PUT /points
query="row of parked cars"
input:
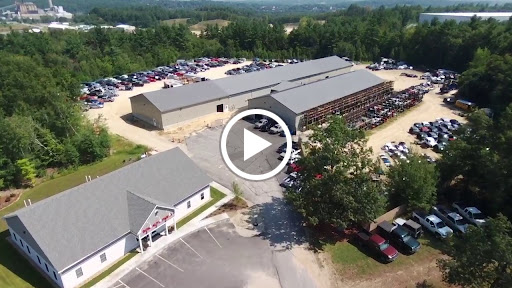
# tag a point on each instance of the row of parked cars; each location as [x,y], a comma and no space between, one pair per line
[402,235]
[435,134]
[253,67]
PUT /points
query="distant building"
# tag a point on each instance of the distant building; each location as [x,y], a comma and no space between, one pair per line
[464,16]
[126,28]
[61,26]
[30,10]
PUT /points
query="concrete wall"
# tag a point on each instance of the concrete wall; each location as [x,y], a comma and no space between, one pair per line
[188,114]
[271,104]
[36,258]
[195,202]
[144,110]
[92,265]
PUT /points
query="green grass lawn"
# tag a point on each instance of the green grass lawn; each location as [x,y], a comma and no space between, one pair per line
[112,268]
[15,271]
[216,196]
[350,260]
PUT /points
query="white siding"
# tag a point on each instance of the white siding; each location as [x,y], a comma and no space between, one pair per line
[195,202]
[33,256]
[92,265]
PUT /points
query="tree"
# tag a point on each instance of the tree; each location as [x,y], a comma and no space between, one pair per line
[337,186]
[27,170]
[414,183]
[482,258]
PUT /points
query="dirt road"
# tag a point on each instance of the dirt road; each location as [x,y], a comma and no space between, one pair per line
[115,113]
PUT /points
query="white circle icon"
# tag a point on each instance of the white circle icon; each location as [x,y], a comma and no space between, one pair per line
[251,146]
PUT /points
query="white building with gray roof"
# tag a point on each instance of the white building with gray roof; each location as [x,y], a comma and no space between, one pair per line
[76,234]
[166,108]
[348,94]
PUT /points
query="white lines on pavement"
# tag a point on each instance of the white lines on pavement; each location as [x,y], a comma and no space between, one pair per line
[169,262]
[123,284]
[213,237]
[191,248]
[120,285]
[150,277]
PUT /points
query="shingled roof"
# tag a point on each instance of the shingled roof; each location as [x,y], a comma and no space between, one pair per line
[166,100]
[71,225]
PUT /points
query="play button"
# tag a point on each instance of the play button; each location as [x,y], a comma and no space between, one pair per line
[253,144]
[250,152]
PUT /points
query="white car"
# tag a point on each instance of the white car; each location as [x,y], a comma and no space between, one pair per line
[260,123]
[289,180]
[276,129]
[430,142]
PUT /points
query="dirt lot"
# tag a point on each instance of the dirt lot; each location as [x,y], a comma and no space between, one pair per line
[117,114]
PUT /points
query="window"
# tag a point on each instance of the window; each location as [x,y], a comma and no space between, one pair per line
[38,260]
[14,235]
[188,204]
[28,249]
[103,257]
[55,276]
[21,242]
[202,196]
[79,272]
[46,266]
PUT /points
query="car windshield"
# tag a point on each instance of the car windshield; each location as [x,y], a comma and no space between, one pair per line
[406,238]
[461,222]
[384,246]
[440,225]
[478,216]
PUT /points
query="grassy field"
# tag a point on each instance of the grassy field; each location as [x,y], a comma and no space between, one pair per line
[112,268]
[175,21]
[15,271]
[202,25]
[216,196]
[14,27]
[353,262]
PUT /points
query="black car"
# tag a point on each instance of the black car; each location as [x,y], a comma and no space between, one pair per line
[281,148]
[422,135]
[414,130]
[137,83]
[439,147]
[266,127]
[449,100]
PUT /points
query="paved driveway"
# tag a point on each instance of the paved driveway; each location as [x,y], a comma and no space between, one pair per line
[215,256]
[281,225]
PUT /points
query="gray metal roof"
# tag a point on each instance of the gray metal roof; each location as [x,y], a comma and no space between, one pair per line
[312,95]
[285,85]
[73,224]
[188,95]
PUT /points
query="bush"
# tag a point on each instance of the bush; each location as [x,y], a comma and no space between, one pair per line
[7,199]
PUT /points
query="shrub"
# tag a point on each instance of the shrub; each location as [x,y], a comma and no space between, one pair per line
[7,199]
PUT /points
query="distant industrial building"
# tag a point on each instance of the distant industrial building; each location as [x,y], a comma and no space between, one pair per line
[464,16]
[30,10]
[166,108]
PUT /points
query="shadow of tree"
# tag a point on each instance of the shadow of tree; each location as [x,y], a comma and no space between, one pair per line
[11,260]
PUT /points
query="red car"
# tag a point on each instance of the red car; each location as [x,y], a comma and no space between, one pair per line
[377,245]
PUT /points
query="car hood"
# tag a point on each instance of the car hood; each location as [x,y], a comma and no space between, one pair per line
[445,231]
[412,243]
[390,251]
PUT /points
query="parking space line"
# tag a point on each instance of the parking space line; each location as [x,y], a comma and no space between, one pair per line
[169,262]
[213,237]
[149,277]
[191,248]
[119,285]
[123,284]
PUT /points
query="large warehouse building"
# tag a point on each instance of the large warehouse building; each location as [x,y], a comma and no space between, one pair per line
[349,95]
[76,234]
[464,16]
[165,108]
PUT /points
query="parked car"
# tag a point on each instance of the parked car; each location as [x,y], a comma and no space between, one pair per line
[458,223]
[275,129]
[385,160]
[399,237]
[378,246]
[414,130]
[266,127]
[260,123]
[439,147]
[433,224]
[289,181]
[471,213]
[282,148]
[413,227]
[95,104]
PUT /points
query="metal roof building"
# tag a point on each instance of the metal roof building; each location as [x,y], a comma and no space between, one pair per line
[464,16]
[165,108]
[77,233]
[349,95]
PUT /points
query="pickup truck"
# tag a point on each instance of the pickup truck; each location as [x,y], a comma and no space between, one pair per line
[377,245]
[433,224]
[471,213]
[399,237]
[411,226]
[458,223]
